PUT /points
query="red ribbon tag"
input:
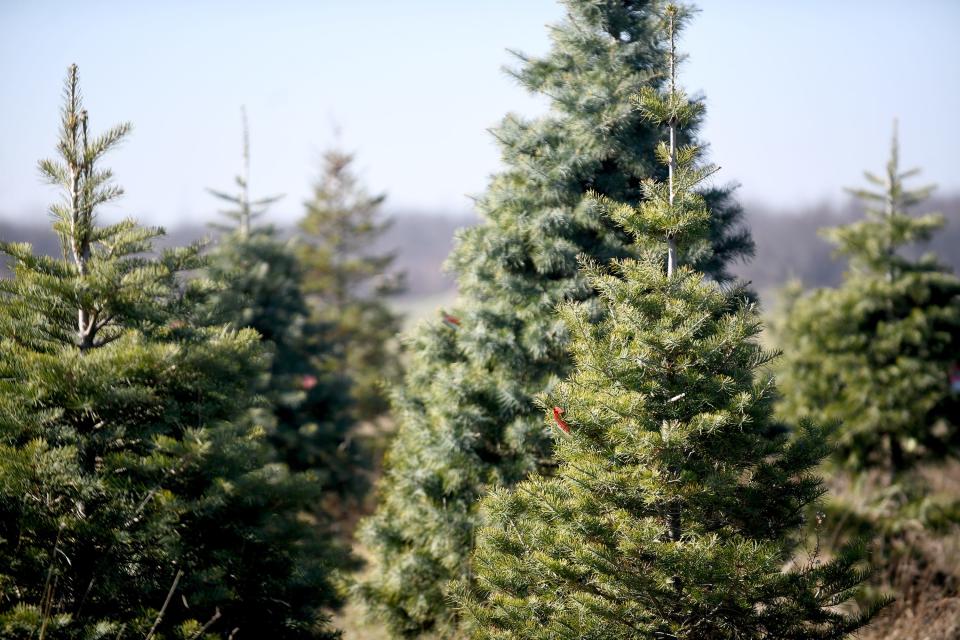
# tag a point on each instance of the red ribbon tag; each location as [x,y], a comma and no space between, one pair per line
[557,412]
[451,321]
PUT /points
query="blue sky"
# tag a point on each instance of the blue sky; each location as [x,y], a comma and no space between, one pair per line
[800,95]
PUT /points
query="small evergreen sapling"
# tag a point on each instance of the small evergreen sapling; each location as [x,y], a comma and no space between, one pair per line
[673,511]
[876,353]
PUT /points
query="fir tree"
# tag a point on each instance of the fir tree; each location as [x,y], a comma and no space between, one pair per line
[877,352]
[466,416]
[134,501]
[350,281]
[261,285]
[673,511]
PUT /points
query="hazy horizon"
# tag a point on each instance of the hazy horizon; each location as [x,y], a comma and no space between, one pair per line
[800,98]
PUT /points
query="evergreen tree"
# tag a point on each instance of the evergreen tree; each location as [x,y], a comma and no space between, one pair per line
[673,511]
[350,281]
[261,285]
[134,501]
[466,416]
[877,352]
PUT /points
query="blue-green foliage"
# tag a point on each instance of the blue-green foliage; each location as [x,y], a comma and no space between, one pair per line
[467,421]
[673,510]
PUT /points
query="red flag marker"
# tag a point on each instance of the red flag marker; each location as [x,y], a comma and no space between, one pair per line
[557,412]
[451,321]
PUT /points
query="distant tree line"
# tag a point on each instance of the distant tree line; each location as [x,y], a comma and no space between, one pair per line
[789,245]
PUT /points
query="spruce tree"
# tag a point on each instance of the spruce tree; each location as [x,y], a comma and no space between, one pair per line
[261,285]
[877,352]
[134,499]
[673,511]
[466,415]
[350,281]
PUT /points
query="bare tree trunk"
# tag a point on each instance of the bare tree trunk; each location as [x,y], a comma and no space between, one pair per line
[80,219]
[672,168]
[897,458]
[675,513]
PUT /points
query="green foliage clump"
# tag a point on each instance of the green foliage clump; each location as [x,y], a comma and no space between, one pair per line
[672,512]
[877,352]
[675,508]
[135,499]
[349,282]
[466,415]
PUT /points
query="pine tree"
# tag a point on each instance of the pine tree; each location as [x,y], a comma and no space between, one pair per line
[350,282]
[134,502]
[466,415]
[673,511]
[877,352]
[261,285]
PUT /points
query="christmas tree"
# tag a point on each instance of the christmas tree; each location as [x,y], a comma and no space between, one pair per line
[349,281]
[877,353]
[135,498]
[673,511]
[261,285]
[466,415]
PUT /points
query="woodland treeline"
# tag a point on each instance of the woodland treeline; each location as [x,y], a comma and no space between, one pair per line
[648,412]
[789,245]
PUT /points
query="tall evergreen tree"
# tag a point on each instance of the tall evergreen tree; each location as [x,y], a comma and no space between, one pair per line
[466,416]
[134,500]
[877,352]
[350,280]
[673,511]
[261,285]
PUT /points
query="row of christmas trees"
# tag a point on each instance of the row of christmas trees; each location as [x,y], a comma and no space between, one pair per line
[663,494]
[176,426]
[618,469]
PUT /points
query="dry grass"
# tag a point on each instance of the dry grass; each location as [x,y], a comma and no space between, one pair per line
[928,602]
[923,565]
[351,620]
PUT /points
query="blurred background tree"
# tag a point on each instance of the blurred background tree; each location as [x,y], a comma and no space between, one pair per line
[877,354]
[350,283]
[261,285]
